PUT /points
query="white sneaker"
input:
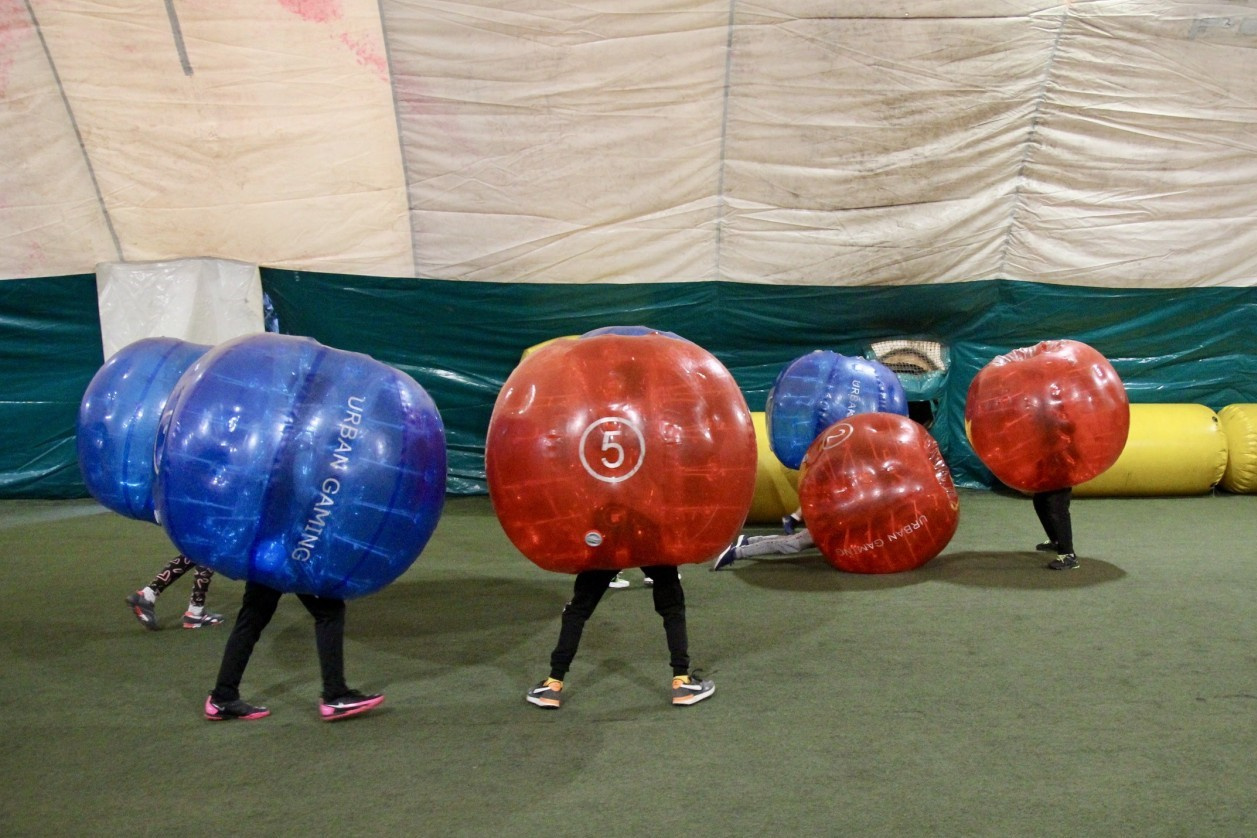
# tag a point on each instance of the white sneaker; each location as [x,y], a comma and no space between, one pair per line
[618,582]
[650,583]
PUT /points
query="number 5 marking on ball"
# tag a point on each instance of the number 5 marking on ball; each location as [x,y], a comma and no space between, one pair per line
[609,444]
[616,450]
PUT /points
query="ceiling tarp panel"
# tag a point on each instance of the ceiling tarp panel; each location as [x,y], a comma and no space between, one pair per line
[561,142]
[257,131]
[51,221]
[879,149]
[1144,161]
[890,142]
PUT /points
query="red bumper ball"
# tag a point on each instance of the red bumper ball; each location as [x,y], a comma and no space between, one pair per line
[615,451]
[1047,416]
[877,495]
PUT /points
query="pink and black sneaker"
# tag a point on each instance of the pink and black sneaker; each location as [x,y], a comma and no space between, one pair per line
[352,703]
[220,711]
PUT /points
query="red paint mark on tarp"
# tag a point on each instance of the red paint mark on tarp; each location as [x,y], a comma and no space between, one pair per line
[367,53]
[15,28]
[33,260]
[416,103]
[315,11]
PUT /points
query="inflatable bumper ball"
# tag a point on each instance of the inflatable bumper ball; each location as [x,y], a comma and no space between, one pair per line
[1048,416]
[620,450]
[118,418]
[821,388]
[877,495]
[305,468]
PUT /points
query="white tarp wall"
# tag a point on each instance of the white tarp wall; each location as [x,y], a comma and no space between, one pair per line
[885,141]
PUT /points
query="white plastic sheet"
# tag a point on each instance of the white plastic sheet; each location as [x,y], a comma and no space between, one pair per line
[205,301]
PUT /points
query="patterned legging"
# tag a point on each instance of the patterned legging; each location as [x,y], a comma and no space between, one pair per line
[178,566]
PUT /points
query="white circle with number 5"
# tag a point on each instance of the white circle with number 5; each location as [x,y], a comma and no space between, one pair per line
[618,449]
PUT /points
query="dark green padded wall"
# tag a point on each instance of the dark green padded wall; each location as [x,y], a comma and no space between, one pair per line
[49,350]
[460,340]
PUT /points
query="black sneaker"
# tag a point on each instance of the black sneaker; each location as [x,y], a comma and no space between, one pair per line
[548,694]
[686,689]
[220,711]
[1067,561]
[143,610]
[352,703]
[1047,547]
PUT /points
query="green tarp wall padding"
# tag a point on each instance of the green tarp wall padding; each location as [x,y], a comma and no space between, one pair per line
[49,350]
[460,340]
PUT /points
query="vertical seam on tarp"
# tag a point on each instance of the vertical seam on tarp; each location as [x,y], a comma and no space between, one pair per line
[78,135]
[401,143]
[177,32]
[724,133]
[1031,136]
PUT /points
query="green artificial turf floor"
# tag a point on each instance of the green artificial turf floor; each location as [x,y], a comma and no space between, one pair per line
[978,695]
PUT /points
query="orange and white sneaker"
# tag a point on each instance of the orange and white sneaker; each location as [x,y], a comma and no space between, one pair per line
[206,619]
[144,609]
[547,694]
[687,689]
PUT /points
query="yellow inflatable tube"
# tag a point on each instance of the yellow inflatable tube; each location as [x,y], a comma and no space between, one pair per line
[530,350]
[1172,449]
[776,487]
[1239,423]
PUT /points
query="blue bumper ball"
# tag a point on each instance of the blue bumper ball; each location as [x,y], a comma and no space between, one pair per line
[821,388]
[302,467]
[118,418]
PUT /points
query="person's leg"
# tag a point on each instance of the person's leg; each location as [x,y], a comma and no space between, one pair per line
[200,586]
[1042,509]
[1056,509]
[758,546]
[339,701]
[767,545]
[175,568]
[196,616]
[257,607]
[329,639]
[670,605]
[1058,513]
[143,602]
[587,591]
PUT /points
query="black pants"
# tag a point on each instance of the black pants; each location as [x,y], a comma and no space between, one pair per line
[588,591]
[1053,511]
[256,610]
